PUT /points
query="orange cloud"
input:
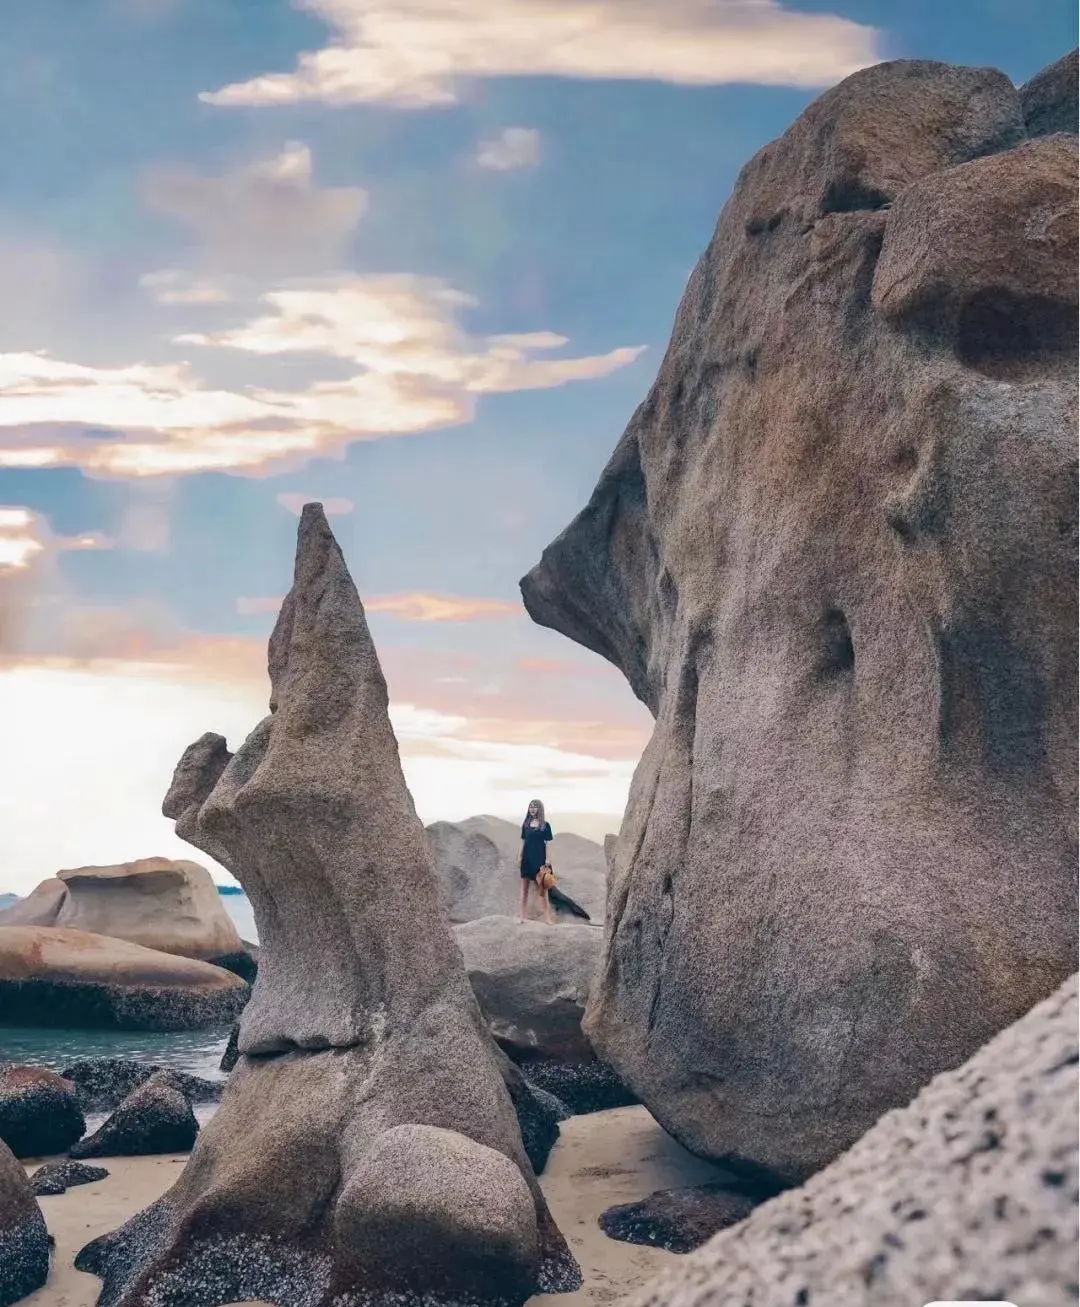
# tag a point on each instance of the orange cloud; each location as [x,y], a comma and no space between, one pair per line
[418,53]
[407,607]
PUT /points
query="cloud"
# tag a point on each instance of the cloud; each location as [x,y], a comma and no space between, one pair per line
[415,53]
[175,286]
[407,607]
[418,370]
[266,218]
[514,148]
[295,502]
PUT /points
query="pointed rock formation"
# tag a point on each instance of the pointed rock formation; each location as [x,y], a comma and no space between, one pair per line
[835,554]
[366,1145]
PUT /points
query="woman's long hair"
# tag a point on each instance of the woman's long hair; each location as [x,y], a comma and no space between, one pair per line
[539,812]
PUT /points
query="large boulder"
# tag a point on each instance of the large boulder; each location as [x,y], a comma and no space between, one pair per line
[50,976]
[24,1240]
[477,862]
[532,983]
[1049,100]
[40,907]
[362,1052]
[835,554]
[40,1112]
[969,1193]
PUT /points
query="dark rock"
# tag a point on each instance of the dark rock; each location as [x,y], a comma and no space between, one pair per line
[54,976]
[969,1193]
[363,1051]
[538,1114]
[24,1240]
[102,1083]
[39,1111]
[58,1177]
[155,1118]
[582,1087]
[678,1220]
[232,1050]
[835,554]
[241,964]
[1049,99]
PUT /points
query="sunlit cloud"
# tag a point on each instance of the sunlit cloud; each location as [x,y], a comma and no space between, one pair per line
[267,217]
[513,149]
[406,607]
[417,52]
[418,370]
[331,507]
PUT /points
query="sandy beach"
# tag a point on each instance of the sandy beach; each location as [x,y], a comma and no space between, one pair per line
[601,1159]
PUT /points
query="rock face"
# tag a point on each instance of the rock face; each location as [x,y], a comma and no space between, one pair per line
[362,1050]
[24,1240]
[40,907]
[969,1193]
[39,1111]
[1050,99]
[477,863]
[55,977]
[155,1118]
[835,554]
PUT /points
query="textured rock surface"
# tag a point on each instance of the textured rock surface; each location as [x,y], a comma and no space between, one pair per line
[102,1083]
[532,985]
[835,554]
[363,1050]
[39,1111]
[58,1177]
[969,1193]
[39,908]
[582,1087]
[1050,98]
[477,863]
[24,1240]
[155,1118]
[56,977]
[172,906]
[678,1220]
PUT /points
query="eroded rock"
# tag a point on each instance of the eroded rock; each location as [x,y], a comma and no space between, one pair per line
[835,554]
[24,1240]
[363,1050]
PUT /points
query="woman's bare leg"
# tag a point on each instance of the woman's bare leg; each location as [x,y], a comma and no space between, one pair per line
[523,909]
[545,903]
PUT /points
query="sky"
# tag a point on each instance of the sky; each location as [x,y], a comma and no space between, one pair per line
[419,262]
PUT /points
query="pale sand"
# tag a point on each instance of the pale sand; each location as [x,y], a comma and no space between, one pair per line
[602,1159]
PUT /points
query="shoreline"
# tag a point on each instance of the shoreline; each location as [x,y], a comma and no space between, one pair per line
[616,1156]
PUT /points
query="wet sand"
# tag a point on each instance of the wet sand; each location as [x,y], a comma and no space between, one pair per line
[602,1159]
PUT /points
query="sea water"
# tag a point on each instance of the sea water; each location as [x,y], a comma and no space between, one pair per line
[195,1051]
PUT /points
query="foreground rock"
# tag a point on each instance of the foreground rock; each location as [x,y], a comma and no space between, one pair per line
[477,863]
[155,1118]
[58,1177]
[102,1083]
[532,984]
[51,976]
[969,1193]
[835,554]
[363,1050]
[24,1240]
[39,1111]
[168,905]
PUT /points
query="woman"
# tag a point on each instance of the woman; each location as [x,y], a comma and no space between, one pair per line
[535,836]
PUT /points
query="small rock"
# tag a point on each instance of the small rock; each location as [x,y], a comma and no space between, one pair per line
[582,1087]
[678,1220]
[24,1240]
[156,1118]
[39,1111]
[57,1177]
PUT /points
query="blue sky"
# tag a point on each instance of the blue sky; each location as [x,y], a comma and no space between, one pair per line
[254,252]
